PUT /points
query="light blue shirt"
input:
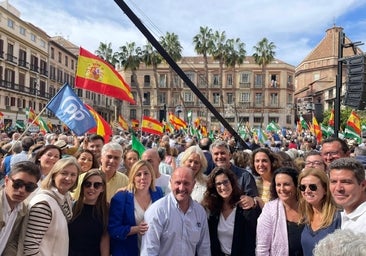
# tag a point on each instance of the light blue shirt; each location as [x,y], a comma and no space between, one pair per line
[172,232]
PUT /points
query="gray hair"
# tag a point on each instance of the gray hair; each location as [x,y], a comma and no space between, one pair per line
[340,243]
[360,151]
[351,164]
[197,150]
[112,146]
[219,144]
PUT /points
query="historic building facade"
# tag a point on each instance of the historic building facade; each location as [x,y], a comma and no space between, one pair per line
[315,77]
[241,94]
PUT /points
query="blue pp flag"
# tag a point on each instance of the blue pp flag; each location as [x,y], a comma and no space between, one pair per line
[67,106]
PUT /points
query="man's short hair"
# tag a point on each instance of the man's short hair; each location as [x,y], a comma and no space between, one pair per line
[94,137]
[112,146]
[219,144]
[343,143]
[27,167]
[351,164]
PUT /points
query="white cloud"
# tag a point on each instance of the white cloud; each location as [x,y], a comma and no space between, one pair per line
[294,26]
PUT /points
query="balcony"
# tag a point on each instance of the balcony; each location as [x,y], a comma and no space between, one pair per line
[245,85]
[23,64]
[44,72]
[11,59]
[34,68]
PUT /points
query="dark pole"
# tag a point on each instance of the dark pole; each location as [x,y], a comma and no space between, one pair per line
[131,15]
[337,103]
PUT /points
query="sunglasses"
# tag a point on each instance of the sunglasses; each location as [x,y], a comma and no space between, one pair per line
[29,187]
[312,187]
[224,182]
[96,185]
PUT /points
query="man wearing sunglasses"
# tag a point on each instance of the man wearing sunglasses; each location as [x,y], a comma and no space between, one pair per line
[348,187]
[19,184]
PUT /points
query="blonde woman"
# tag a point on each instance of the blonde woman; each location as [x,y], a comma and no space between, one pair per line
[45,229]
[194,158]
[317,208]
[126,215]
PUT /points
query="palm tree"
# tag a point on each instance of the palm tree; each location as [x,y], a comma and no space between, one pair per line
[264,54]
[105,52]
[151,57]
[203,44]
[130,58]
[170,42]
[235,55]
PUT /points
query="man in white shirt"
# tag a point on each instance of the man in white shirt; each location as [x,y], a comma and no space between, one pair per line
[177,224]
[347,185]
[19,184]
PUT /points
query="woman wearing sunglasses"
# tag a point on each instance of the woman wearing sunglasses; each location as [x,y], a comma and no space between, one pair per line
[126,215]
[232,229]
[45,230]
[88,227]
[317,208]
[278,229]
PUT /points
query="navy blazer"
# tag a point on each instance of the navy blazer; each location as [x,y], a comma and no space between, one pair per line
[244,237]
[121,218]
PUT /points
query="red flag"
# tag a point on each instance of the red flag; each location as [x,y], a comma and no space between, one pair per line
[103,128]
[99,76]
[31,115]
[151,125]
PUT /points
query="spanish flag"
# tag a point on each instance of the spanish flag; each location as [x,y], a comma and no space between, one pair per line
[331,119]
[103,128]
[135,124]
[122,123]
[97,75]
[317,130]
[353,127]
[151,125]
[31,116]
[177,122]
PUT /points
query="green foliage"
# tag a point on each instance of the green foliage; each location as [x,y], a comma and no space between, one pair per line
[345,113]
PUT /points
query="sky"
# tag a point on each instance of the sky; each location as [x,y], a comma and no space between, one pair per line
[295,27]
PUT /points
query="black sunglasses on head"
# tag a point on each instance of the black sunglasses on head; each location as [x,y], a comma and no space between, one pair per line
[89,184]
[312,187]
[29,187]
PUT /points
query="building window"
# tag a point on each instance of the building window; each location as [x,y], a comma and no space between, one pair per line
[215,79]
[59,57]
[10,23]
[274,99]
[72,64]
[243,119]
[258,81]
[229,80]
[273,119]
[146,112]
[146,80]
[162,81]
[22,58]
[52,53]
[161,98]
[258,99]
[230,98]
[202,81]
[288,119]
[274,81]
[22,30]
[66,61]
[34,63]
[244,78]
[188,97]
[330,94]
[216,98]
[245,97]
[290,81]
[33,37]
[133,114]
[258,119]
[10,54]
[289,98]
[146,98]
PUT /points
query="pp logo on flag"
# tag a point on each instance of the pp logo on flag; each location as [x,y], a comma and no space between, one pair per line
[71,107]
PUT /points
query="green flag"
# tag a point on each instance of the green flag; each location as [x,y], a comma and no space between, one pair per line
[325,130]
[43,125]
[137,145]
[303,123]
[273,127]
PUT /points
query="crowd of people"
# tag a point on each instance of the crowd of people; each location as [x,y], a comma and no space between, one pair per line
[68,195]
